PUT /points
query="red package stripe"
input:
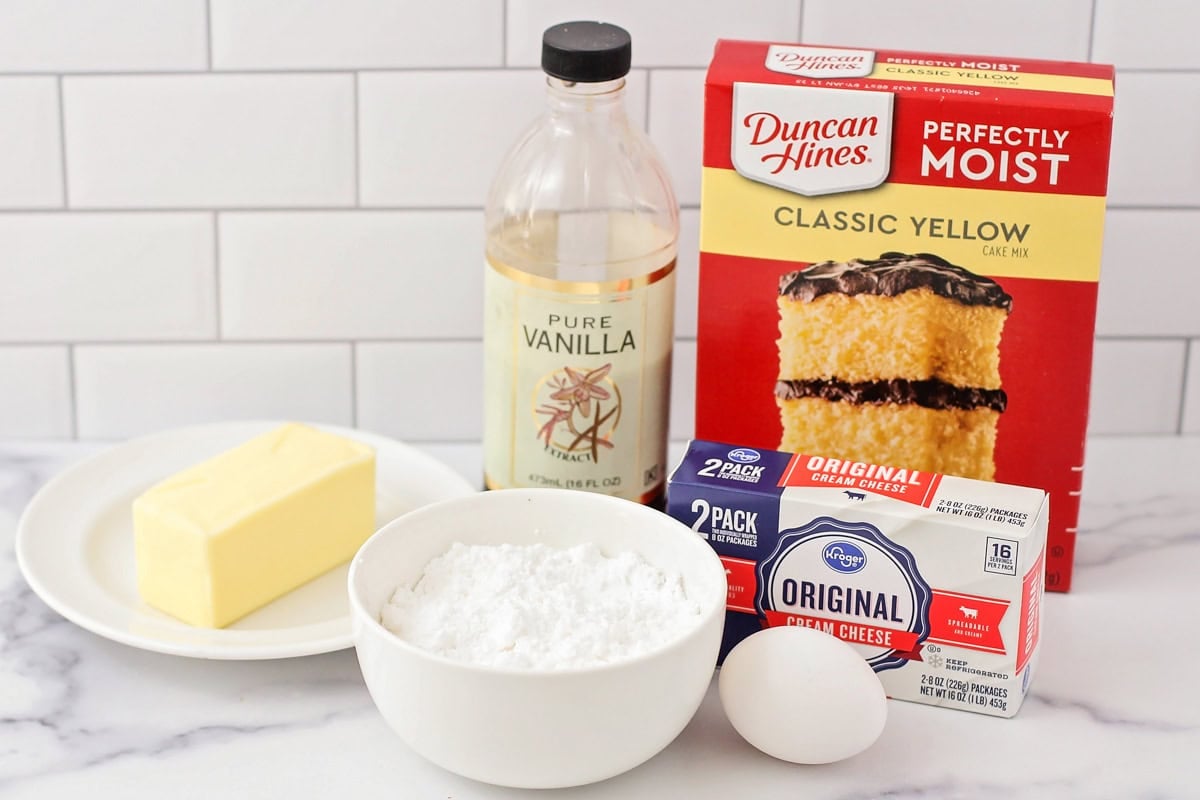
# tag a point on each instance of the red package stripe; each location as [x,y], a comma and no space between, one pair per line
[964,620]
[1031,613]
[848,631]
[743,585]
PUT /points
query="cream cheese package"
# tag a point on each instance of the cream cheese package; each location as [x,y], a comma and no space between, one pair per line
[936,580]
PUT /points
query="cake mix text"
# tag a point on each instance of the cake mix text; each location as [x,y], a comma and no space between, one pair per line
[998,66]
[851,221]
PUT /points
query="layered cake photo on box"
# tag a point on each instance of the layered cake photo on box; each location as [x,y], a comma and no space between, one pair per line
[893,360]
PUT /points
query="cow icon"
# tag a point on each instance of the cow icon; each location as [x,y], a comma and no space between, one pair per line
[969,613]
[854,495]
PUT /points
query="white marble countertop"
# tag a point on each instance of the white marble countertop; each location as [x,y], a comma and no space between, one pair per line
[1114,710]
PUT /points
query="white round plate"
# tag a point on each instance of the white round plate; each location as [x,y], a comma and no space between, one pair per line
[75,546]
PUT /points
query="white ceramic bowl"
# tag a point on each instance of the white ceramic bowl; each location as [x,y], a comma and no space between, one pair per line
[529,728]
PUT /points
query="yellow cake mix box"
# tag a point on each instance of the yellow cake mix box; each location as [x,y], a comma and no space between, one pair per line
[899,255]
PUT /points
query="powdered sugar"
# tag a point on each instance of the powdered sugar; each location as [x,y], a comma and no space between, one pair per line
[540,607]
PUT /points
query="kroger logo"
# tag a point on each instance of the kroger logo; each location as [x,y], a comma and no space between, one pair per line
[744,455]
[845,557]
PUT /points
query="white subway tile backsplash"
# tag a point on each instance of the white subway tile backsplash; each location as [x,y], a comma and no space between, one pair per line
[1156,140]
[1018,29]
[35,393]
[1136,386]
[465,458]
[102,35]
[420,150]
[676,115]
[30,146]
[675,35]
[210,140]
[421,391]
[214,194]
[683,391]
[269,34]
[337,274]
[687,273]
[105,276]
[1158,35]
[1149,282]
[1191,391]
[126,390]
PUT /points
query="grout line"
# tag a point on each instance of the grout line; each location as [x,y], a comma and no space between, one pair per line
[208,33]
[1183,392]
[274,342]
[800,25]
[338,209]
[357,148]
[199,72]
[531,68]
[1137,207]
[474,442]
[1141,337]
[1092,31]
[62,144]
[240,342]
[1158,70]
[234,209]
[354,384]
[134,73]
[72,388]
[504,33]
[216,232]
[1133,435]
[7,442]
[646,100]
[347,70]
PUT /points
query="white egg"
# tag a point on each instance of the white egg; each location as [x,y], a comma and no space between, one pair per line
[802,695]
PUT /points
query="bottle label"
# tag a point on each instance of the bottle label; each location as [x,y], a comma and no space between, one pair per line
[577,381]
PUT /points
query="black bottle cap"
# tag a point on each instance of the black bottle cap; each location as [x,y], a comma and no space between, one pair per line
[586,52]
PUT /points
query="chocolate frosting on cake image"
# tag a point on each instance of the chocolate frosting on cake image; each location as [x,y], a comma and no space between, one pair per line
[892,274]
[927,394]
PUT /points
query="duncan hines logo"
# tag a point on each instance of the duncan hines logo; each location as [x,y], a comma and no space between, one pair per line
[811,141]
[820,62]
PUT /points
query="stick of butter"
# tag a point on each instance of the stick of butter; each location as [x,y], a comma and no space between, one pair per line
[229,535]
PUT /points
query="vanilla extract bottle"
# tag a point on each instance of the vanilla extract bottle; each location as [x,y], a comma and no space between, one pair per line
[582,229]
